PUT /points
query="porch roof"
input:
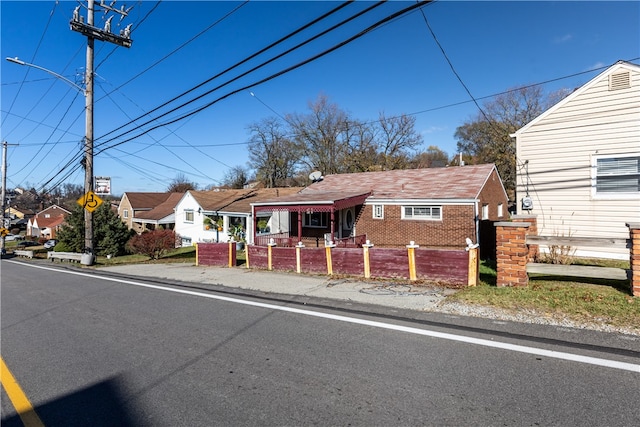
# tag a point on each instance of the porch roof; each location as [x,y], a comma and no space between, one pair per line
[319,201]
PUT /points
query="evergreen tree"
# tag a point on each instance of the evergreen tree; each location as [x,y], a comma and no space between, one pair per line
[110,234]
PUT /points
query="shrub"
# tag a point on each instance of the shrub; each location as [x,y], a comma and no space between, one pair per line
[154,244]
[62,247]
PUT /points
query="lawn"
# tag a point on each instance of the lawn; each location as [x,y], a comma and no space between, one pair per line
[582,300]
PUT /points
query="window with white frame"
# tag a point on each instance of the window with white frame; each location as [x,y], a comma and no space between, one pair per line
[378,211]
[125,213]
[485,211]
[315,219]
[617,175]
[500,210]
[188,215]
[422,212]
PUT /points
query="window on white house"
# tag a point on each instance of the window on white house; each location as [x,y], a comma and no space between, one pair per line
[422,212]
[618,175]
[500,210]
[188,216]
[378,211]
[316,219]
[125,213]
[485,211]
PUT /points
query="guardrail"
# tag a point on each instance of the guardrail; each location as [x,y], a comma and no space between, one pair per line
[28,254]
[65,256]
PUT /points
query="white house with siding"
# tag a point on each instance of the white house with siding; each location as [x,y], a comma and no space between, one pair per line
[579,162]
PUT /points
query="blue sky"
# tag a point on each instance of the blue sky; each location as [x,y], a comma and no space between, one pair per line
[397,68]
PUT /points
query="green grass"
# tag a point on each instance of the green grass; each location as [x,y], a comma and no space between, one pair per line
[185,255]
[582,300]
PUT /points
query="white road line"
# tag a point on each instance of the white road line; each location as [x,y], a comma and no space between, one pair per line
[452,337]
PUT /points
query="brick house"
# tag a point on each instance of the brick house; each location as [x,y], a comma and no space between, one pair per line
[133,205]
[47,223]
[435,207]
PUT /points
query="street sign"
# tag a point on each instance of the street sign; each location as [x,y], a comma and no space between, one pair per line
[90,201]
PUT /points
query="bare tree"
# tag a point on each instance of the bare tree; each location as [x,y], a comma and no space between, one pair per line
[273,155]
[486,137]
[432,157]
[236,177]
[362,155]
[397,139]
[181,184]
[319,136]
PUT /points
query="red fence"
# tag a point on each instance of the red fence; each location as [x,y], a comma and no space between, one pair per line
[451,266]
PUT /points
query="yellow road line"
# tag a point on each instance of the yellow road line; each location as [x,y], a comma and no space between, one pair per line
[20,401]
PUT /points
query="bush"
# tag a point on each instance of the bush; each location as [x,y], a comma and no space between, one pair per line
[153,244]
[62,247]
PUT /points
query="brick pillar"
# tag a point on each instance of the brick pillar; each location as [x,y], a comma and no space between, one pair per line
[511,253]
[534,250]
[634,258]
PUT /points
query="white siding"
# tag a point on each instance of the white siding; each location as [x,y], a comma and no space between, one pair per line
[559,148]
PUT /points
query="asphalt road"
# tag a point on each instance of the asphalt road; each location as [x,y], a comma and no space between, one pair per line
[96,350]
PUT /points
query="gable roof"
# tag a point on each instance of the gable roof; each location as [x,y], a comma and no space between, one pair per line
[51,222]
[431,183]
[146,201]
[239,201]
[620,65]
[162,211]
[53,210]
[342,190]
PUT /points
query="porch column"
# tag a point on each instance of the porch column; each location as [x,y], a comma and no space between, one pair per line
[299,225]
[333,225]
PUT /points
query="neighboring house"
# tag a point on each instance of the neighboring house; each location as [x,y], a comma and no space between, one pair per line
[435,207]
[134,204]
[162,215]
[47,223]
[19,218]
[215,216]
[579,162]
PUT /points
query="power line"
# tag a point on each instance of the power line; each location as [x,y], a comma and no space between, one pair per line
[247,87]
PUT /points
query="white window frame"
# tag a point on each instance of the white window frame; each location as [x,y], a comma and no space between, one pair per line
[324,219]
[485,211]
[187,213]
[125,213]
[500,210]
[378,211]
[430,216]
[613,194]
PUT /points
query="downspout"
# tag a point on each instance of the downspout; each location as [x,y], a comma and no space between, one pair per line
[477,220]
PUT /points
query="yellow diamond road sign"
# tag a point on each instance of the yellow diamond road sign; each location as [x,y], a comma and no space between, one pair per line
[90,201]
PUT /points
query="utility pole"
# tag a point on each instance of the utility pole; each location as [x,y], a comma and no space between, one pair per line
[5,226]
[93,33]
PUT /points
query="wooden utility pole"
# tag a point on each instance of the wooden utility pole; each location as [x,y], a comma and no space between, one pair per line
[93,33]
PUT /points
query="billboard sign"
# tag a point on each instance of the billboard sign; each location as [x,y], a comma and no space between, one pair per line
[102,185]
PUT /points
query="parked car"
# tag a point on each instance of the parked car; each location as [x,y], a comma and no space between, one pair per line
[49,244]
[11,237]
[26,243]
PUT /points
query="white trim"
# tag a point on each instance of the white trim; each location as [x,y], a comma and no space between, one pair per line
[430,217]
[420,201]
[373,211]
[611,70]
[594,176]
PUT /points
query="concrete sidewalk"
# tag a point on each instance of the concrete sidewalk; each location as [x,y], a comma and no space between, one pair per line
[384,293]
[390,296]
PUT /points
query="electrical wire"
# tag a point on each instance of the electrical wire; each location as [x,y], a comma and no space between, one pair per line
[271,77]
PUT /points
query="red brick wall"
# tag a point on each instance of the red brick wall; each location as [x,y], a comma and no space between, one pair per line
[392,231]
[493,194]
[511,254]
